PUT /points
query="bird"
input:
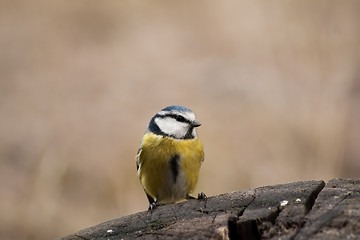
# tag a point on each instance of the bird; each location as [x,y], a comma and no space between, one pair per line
[170,156]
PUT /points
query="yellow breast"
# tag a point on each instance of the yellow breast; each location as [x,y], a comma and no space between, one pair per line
[156,171]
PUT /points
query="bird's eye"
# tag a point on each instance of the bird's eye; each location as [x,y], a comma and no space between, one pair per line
[180,118]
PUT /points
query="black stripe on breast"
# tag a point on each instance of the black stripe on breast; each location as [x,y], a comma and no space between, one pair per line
[174,166]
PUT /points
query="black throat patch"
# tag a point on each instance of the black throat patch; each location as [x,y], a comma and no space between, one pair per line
[174,166]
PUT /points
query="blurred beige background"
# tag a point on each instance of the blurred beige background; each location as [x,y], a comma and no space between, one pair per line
[276,85]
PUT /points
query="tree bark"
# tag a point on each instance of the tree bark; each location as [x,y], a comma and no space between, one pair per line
[300,210]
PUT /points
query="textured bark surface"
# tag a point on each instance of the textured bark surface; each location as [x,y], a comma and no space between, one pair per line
[300,210]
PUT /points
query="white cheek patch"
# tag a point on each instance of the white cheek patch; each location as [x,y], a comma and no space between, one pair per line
[172,127]
[194,132]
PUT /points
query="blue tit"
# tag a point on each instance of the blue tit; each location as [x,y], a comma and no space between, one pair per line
[170,155]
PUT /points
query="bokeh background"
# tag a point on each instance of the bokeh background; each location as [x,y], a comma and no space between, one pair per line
[276,85]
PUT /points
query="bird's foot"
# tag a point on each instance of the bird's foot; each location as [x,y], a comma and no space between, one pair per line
[152,206]
[201,196]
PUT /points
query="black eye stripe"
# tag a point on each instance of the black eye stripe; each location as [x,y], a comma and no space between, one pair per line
[178,118]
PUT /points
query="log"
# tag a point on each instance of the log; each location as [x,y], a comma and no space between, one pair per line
[299,210]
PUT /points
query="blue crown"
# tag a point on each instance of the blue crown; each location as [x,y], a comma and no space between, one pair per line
[177,108]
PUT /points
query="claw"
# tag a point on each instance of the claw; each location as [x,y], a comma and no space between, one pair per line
[152,206]
[201,196]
